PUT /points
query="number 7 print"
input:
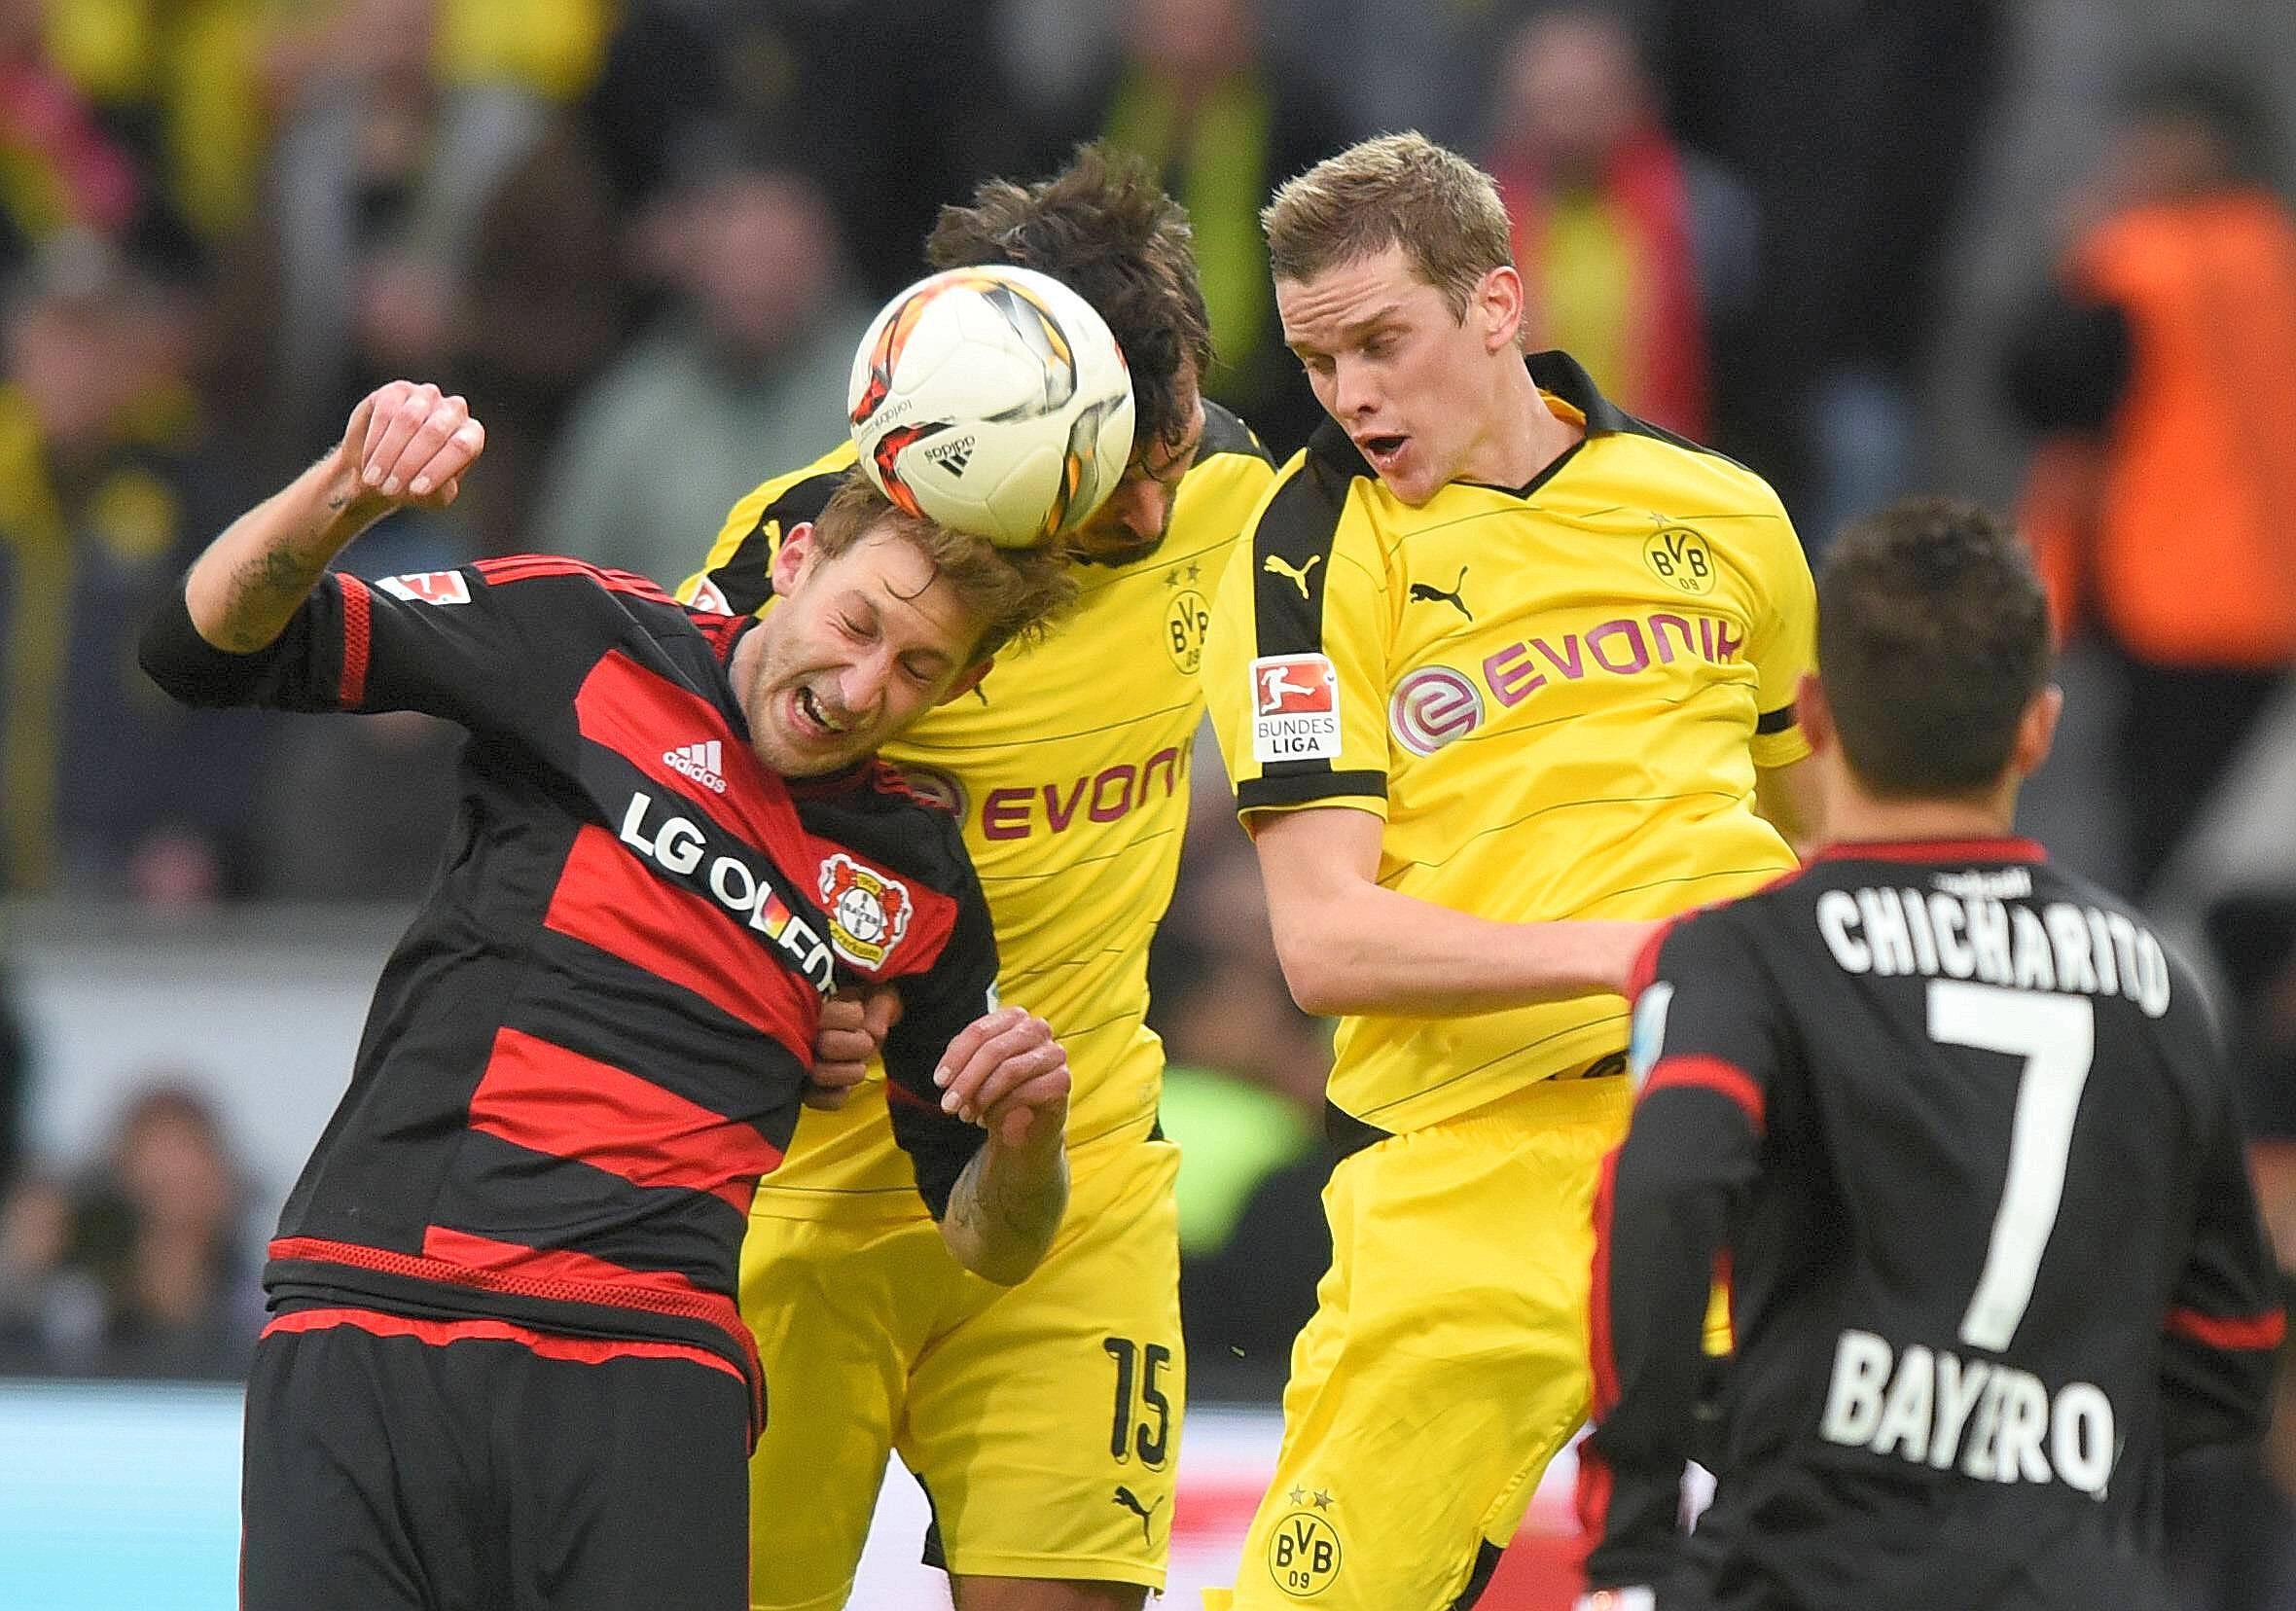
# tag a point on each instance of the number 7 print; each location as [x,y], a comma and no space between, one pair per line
[2057,1037]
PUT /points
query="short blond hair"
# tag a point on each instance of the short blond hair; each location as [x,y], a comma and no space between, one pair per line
[1397,190]
[1018,591]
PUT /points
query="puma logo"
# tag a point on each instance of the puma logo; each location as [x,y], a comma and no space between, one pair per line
[1132,1502]
[1430,593]
[1297,575]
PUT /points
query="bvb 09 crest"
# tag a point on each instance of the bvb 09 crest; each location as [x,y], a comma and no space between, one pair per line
[868,912]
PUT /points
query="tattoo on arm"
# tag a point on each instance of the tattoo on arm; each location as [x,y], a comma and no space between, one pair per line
[263,593]
[998,1214]
[1028,1208]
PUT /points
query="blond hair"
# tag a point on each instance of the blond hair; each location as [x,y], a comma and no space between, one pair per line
[1397,190]
[1017,593]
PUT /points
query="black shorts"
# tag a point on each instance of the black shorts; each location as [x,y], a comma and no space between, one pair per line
[395,1464]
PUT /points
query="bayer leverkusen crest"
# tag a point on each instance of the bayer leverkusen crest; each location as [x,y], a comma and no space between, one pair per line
[868,912]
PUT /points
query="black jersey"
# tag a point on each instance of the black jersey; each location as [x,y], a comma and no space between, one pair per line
[594,1038]
[1953,1126]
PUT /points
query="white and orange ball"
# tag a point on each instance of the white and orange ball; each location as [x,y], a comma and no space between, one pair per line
[994,402]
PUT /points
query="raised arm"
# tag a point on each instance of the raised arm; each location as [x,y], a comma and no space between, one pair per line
[1350,946]
[407,444]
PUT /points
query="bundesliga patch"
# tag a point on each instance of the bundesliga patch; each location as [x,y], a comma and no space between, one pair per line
[868,912]
[446,586]
[1295,709]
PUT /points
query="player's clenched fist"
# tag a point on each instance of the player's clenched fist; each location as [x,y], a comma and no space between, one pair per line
[410,443]
[853,1031]
[1005,1072]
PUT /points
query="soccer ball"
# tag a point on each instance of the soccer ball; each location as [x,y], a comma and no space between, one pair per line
[992,401]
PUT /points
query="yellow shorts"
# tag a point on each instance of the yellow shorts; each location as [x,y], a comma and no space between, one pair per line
[1447,1360]
[1042,1420]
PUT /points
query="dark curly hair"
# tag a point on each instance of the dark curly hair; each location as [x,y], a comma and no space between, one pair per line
[1103,227]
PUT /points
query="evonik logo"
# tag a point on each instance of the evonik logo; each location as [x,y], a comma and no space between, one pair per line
[1622,648]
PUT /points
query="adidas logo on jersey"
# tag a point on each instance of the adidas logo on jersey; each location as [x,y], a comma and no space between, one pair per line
[699,762]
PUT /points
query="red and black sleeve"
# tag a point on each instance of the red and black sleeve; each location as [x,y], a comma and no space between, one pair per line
[1705,1052]
[471,645]
[2225,1323]
[934,1005]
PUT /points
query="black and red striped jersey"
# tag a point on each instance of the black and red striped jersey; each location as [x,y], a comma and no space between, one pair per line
[592,1041]
[1954,1125]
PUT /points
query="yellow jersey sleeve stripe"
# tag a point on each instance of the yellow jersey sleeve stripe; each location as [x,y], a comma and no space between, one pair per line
[1319,788]
[1292,553]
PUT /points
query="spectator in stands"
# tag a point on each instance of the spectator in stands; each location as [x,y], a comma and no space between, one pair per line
[147,1268]
[747,367]
[181,85]
[1854,125]
[62,170]
[51,1314]
[1196,96]
[2156,367]
[1628,243]
[352,266]
[1432,74]
[164,1231]
[106,495]
[904,108]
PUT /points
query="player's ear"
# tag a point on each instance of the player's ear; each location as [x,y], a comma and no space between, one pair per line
[966,681]
[791,558]
[1811,714]
[2037,731]
[1499,303]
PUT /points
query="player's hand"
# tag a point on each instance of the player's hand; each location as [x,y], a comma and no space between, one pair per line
[1006,1073]
[853,1026]
[408,442]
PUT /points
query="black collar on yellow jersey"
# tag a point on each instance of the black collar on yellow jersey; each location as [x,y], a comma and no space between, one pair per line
[1555,372]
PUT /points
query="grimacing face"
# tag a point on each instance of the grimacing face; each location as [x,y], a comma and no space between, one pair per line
[1132,524]
[857,646]
[1410,382]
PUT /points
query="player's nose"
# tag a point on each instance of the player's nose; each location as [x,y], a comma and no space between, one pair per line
[1353,392]
[861,687]
[1141,507]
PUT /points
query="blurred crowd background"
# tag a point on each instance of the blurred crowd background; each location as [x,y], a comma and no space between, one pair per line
[2038,254]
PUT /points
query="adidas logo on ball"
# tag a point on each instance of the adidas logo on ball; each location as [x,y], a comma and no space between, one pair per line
[952,456]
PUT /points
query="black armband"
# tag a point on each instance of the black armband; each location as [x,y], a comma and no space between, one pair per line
[191,670]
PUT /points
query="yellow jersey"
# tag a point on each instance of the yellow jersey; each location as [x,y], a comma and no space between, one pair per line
[1554,696]
[1069,768]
